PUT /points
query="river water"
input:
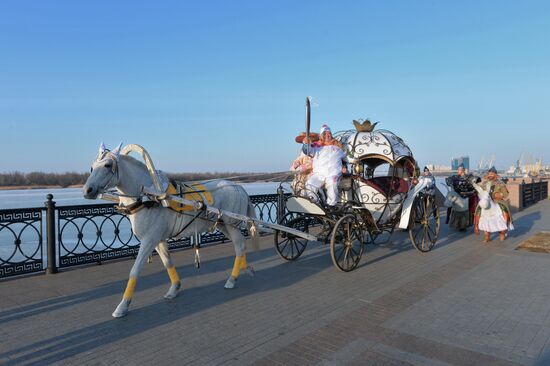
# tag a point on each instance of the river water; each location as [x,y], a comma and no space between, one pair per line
[23,198]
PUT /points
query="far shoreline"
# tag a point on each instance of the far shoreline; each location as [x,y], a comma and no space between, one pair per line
[31,187]
[14,188]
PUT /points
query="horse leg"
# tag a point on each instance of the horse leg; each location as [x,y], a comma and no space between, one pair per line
[239,242]
[162,250]
[244,268]
[145,248]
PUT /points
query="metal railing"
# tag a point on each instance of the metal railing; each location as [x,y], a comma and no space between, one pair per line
[21,231]
[83,234]
[533,192]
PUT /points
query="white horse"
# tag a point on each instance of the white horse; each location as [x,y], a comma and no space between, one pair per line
[460,215]
[491,219]
[154,225]
[454,200]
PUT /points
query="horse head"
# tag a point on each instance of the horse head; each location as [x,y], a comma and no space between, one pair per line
[484,195]
[104,172]
[450,198]
[454,200]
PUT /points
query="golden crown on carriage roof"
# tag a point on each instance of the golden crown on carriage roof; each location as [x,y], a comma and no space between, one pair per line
[364,125]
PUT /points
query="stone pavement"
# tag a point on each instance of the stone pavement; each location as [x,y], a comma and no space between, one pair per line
[464,303]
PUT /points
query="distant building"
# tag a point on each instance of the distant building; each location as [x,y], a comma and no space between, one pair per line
[461,160]
[438,168]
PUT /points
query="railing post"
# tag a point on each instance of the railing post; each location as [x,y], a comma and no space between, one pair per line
[50,234]
[280,204]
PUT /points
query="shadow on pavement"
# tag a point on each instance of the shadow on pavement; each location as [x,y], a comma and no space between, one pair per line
[524,224]
[192,301]
[400,242]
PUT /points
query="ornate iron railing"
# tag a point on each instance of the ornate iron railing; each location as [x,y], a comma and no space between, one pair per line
[93,233]
[86,234]
[266,206]
[21,249]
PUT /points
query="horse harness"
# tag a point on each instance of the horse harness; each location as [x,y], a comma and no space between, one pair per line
[136,207]
[191,191]
[180,189]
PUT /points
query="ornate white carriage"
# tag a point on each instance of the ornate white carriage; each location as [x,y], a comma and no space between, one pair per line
[382,191]
[383,166]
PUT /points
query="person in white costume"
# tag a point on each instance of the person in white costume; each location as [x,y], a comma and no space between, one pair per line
[328,156]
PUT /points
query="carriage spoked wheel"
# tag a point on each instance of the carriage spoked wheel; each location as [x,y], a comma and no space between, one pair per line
[347,243]
[289,246]
[424,224]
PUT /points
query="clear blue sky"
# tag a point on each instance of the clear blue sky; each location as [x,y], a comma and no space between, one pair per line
[221,85]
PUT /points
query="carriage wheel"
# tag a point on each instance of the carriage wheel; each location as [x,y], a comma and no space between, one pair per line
[424,224]
[347,243]
[289,246]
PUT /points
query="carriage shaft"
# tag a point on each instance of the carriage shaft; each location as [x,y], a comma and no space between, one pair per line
[220,213]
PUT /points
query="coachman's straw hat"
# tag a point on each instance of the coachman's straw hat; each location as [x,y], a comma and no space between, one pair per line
[312,137]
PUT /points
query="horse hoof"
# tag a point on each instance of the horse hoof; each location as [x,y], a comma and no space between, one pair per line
[250,271]
[122,309]
[119,314]
[171,294]
[173,291]
[230,283]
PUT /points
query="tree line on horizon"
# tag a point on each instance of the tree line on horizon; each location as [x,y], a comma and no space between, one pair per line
[67,179]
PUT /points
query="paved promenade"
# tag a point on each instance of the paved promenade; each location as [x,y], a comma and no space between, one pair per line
[464,303]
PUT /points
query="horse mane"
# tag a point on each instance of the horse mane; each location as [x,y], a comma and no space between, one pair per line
[133,161]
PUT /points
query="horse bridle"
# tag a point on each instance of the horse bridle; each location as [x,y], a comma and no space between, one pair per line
[114,168]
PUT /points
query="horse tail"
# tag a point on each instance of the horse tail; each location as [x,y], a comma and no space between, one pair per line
[252,229]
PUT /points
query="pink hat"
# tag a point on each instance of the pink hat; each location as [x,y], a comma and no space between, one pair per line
[325,128]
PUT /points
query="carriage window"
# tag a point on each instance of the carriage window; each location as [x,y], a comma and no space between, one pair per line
[383,170]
